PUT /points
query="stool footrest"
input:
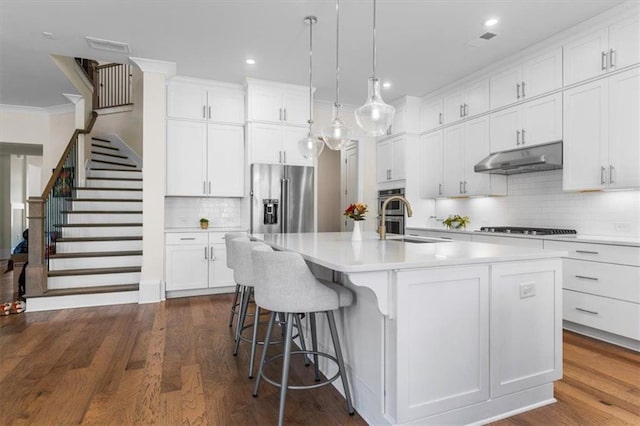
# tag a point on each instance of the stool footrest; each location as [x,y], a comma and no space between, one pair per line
[295,387]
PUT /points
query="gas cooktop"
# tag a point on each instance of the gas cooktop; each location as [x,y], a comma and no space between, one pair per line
[526,230]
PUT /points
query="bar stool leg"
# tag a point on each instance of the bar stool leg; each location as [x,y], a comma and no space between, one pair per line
[267,339]
[254,340]
[285,367]
[242,317]
[314,345]
[242,295]
[234,304]
[303,344]
[338,349]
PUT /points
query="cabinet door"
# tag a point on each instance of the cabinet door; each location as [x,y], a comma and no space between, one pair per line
[265,104]
[477,98]
[526,326]
[221,276]
[453,103]
[186,158]
[296,107]
[384,154]
[398,159]
[586,57]
[453,160]
[506,87]
[505,129]
[226,160]
[585,133]
[476,147]
[624,137]
[541,120]
[431,167]
[187,267]
[226,105]
[265,143]
[542,74]
[186,101]
[290,152]
[399,119]
[624,42]
[431,115]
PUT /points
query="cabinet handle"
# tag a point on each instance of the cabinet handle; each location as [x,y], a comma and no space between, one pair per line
[518,91]
[587,311]
[446,238]
[586,278]
[518,137]
[587,252]
[279,156]
[466,110]
[611,61]
[209,187]
[523,132]
[603,61]
[611,170]
[461,111]
[602,180]
[439,189]
[523,94]
[211,251]
[460,189]
[280,109]
[209,111]
[204,187]
[184,239]
[204,107]
[440,118]
[464,186]
[205,253]
[285,114]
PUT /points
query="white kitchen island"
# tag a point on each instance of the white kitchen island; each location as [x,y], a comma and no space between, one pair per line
[441,332]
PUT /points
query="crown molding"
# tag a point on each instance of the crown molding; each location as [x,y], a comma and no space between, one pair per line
[155,66]
[50,110]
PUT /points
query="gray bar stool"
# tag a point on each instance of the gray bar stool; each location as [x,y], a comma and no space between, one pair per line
[228,237]
[287,285]
[241,249]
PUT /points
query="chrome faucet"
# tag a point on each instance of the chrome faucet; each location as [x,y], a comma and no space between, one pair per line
[382,230]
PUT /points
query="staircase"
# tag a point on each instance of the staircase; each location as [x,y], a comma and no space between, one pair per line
[98,254]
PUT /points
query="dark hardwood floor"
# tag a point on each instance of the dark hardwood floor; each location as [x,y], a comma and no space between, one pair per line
[171,363]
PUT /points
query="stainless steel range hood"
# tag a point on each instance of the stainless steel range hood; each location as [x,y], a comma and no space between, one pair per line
[523,160]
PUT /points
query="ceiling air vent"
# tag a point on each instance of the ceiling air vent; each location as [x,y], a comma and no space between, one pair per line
[482,39]
[108,45]
[488,35]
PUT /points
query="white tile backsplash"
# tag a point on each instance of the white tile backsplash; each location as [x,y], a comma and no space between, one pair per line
[181,212]
[536,199]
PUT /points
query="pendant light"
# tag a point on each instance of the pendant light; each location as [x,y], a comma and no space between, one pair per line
[310,147]
[336,135]
[375,116]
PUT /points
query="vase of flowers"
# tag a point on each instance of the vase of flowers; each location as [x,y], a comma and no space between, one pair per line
[356,211]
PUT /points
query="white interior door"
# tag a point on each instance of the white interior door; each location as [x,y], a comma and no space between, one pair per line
[350,173]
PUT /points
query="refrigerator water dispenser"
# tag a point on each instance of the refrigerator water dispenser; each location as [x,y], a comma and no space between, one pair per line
[270,209]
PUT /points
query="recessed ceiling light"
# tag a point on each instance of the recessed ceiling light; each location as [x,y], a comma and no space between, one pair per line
[47,34]
[490,22]
[250,61]
[386,84]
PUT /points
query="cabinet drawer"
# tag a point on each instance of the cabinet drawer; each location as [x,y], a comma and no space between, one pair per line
[216,238]
[508,241]
[187,238]
[603,279]
[622,255]
[614,316]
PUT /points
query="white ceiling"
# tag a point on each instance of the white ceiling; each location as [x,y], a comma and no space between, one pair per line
[421,43]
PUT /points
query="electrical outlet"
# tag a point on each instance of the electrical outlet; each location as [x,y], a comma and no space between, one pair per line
[527,290]
[623,227]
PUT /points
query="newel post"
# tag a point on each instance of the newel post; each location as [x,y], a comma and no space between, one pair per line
[36,278]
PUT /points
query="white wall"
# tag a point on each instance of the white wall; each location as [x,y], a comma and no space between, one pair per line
[536,199]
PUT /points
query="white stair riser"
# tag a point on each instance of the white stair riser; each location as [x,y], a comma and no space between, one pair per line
[118,160]
[78,281]
[36,304]
[93,183]
[105,205]
[100,193]
[104,150]
[102,231]
[94,262]
[104,218]
[85,246]
[133,174]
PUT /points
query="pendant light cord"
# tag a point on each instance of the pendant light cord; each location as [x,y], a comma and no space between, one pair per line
[374,39]
[311,19]
[337,104]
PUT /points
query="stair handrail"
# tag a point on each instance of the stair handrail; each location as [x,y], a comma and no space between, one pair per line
[42,212]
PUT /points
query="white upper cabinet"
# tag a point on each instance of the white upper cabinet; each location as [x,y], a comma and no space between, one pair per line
[604,50]
[202,101]
[531,123]
[431,165]
[276,144]
[225,158]
[431,114]
[277,103]
[407,117]
[601,138]
[538,75]
[467,101]
[390,164]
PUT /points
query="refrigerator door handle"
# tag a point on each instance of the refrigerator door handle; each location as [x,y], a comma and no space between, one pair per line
[284,210]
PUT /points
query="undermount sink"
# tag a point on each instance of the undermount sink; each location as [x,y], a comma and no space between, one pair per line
[419,240]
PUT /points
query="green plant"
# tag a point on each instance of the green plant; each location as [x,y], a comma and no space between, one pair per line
[456,221]
[204,220]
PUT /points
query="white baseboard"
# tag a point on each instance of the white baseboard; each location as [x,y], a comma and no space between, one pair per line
[199,292]
[150,291]
[614,339]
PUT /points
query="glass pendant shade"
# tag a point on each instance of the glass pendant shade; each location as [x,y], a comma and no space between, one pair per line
[336,135]
[375,116]
[310,147]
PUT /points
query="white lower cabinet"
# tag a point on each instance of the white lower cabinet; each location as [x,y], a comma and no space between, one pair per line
[196,261]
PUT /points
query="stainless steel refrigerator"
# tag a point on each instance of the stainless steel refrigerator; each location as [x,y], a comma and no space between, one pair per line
[281,199]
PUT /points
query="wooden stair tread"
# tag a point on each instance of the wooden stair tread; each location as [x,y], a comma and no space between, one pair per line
[101,140]
[88,290]
[92,188]
[110,155]
[95,254]
[114,163]
[94,271]
[113,148]
[97,239]
[95,225]
[115,178]
[108,200]
[114,170]
[102,212]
